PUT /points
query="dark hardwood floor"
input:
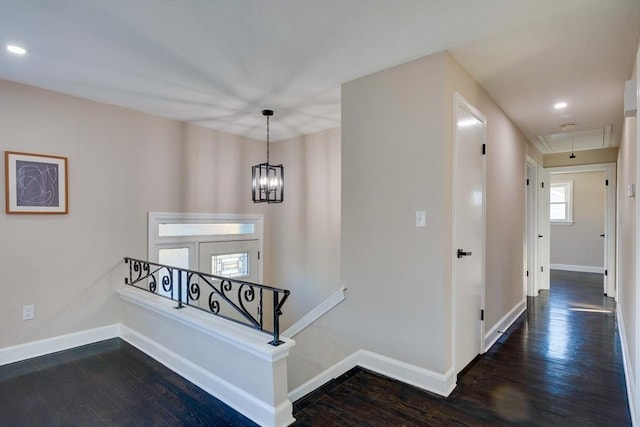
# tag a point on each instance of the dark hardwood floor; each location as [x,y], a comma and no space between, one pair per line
[109,383]
[560,364]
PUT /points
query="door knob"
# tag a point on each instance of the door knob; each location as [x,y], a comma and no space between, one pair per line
[539,236]
[602,235]
[462,253]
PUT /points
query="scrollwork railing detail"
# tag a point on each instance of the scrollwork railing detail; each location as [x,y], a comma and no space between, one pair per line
[236,300]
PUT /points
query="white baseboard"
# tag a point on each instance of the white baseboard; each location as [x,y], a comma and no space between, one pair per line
[503,324]
[28,350]
[243,402]
[442,384]
[334,299]
[628,376]
[580,268]
[324,377]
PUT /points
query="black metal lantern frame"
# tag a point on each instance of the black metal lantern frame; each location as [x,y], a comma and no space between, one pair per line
[268,183]
[267,179]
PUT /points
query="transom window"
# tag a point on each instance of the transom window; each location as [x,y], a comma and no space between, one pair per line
[561,202]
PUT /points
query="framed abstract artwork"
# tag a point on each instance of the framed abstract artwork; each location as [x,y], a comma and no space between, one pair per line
[35,183]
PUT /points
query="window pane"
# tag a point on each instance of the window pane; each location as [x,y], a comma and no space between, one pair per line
[558,212]
[169,230]
[174,257]
[230,265]
[558,193]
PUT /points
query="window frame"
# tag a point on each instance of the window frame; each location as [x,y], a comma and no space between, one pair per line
[568,185]
[192,242]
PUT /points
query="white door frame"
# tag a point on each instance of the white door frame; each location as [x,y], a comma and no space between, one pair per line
[531,228]
[460,101]
[544,230]
[609,169]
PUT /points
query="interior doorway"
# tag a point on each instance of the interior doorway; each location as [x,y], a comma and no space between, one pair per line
[579,240]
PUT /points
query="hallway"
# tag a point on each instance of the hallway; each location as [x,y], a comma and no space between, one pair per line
[559,365]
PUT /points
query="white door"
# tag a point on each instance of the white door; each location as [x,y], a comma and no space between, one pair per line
[468,263]
[544,230]
[532,229]
[236,260]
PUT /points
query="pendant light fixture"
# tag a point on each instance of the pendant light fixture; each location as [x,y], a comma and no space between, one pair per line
[267,179]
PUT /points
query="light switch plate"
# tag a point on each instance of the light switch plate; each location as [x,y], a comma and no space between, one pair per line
[421,219]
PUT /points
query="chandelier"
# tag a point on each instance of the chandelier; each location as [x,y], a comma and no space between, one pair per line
[267,179]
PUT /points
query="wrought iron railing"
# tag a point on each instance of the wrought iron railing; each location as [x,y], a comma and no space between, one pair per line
[232,299]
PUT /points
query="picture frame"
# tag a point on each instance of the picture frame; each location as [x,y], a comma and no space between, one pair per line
[35,183]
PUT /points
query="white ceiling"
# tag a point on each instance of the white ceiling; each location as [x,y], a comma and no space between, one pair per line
[218,63]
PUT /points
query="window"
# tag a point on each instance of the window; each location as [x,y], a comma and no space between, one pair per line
[561,209]
[176,238]
[230,265]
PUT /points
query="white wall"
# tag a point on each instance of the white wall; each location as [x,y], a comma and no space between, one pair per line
[579,244]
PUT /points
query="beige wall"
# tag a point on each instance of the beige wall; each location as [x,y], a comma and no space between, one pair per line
[304,231]
[121,165]
[580,244]
[397,133]
[505,196]
[586,157]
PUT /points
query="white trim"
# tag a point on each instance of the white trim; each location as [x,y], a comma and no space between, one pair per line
[246,339]
[441,384]
[531,229]
[580,268]
[154,241]
[243,402]
[503,324]
[28,350]
[626,360]
[320,310]
[324,377]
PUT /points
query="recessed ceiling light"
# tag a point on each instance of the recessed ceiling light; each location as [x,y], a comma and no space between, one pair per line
[16,49]
[560,105]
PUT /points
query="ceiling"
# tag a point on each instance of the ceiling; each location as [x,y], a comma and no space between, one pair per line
[218,63]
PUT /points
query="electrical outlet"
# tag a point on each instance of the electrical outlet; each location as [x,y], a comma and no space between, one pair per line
[28,312]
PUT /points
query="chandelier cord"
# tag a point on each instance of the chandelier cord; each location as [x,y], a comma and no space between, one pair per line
[267,139]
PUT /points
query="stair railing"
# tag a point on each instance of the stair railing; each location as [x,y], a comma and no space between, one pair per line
[236,300]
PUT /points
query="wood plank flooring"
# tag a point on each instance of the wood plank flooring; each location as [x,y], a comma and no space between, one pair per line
[109,383]
[560,364]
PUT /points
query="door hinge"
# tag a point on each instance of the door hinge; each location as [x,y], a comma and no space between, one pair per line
[527,273]
[481,314]
[527,181]
[258,254]
[542,269]
[484,149]
[606,182]
[606,272]
[542,185]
